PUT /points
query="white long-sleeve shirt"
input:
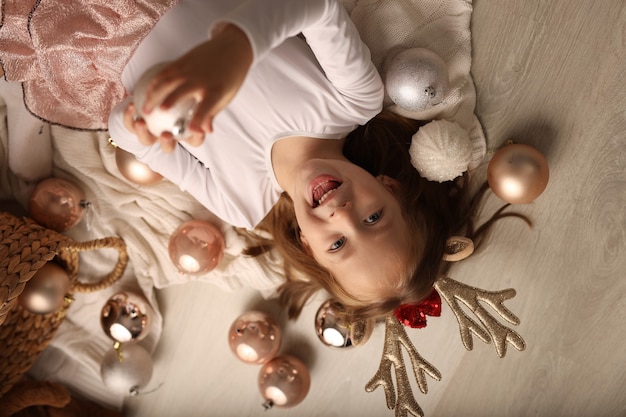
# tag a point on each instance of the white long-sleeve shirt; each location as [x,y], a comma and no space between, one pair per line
[322,90]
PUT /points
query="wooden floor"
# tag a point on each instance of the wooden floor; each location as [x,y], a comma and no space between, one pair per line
[550,73]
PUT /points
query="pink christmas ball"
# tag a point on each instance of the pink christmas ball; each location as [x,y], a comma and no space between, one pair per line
[518,173]
[134,170]
[254,337]
[57,204]
[284,381]
[196,247]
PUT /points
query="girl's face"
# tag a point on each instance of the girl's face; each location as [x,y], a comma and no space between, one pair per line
[352,224]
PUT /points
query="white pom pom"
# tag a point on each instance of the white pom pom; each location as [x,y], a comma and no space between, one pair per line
[441,150]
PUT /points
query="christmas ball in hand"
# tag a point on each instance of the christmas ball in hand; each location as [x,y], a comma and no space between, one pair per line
[174,120]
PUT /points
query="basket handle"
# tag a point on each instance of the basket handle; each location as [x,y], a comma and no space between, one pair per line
[74,248]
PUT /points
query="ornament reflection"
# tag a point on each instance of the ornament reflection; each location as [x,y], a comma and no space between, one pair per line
[196,247]
[334,328]
[126,317]
[57,204]
[254,337]
[284,382]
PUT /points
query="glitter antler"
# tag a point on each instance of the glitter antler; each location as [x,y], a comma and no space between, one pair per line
[454,292]
[395,338]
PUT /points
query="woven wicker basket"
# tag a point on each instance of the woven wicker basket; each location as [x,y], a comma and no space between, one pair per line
[25,247]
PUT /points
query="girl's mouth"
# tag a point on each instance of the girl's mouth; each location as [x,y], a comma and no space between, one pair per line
[322,188]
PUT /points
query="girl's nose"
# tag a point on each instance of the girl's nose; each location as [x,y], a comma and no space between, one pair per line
[341,210]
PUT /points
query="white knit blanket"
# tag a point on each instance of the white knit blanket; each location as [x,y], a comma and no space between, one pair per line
[145,216]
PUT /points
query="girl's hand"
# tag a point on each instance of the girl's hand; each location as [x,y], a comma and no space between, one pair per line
[138,127]
[211,73]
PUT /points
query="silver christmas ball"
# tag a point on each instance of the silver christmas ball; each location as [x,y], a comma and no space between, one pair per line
[127,369]
[174,120]
[416,79]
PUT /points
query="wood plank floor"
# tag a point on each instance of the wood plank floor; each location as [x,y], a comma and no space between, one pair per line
[550,73]
[553,74]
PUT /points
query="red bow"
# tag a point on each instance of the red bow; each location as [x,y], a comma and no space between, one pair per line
[414,315]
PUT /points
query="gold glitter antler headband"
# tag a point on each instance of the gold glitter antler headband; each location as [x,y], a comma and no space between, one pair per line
[487,328]
[395,338]
[492,331]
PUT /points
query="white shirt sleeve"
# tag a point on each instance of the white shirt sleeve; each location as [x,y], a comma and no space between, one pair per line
[180,167]
[343,57]
[330,33]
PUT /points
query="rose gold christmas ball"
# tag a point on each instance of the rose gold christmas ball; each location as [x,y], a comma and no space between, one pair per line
[518,173]
[57,204]
[196,247]
[254,337]
[334,329]
[126,317]
[46,290]
[134,170]
[284,381]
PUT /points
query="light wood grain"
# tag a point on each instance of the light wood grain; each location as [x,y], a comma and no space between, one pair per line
[552,74]
[549,73]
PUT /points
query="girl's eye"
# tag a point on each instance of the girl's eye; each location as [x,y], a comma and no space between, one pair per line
[337,244]
[373,218]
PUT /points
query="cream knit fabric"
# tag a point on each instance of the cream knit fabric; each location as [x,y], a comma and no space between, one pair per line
[388,26]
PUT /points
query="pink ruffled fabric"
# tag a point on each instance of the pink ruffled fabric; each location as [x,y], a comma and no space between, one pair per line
[70,54]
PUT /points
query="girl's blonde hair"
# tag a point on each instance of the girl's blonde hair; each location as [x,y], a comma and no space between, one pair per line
[433,212]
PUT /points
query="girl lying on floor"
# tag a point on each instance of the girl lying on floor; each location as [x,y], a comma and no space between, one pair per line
[288,137]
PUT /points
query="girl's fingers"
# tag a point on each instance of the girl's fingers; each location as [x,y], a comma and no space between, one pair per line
[202,119]
[137,126]
[208,124]
[159,88]
[168,143]
[182,92]
[129,118]
[195,139]
[140,128]
[143,134]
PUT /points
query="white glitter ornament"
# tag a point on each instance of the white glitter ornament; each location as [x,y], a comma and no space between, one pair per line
[416,79]
[441,150]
